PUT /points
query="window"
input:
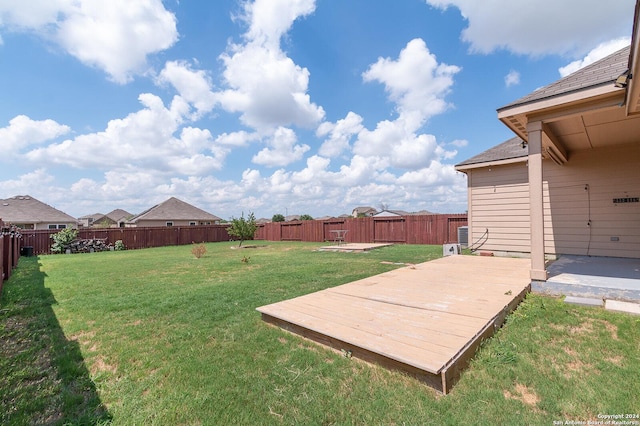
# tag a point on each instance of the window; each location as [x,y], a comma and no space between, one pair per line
[54,226]
[192,224]
[169,223]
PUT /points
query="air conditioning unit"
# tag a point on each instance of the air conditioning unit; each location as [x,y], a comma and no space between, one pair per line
[463,236]
[451,249]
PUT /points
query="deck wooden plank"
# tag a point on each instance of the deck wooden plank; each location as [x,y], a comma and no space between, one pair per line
[411,326]
[429,317]
[465,304]
[362,310]
[420,357]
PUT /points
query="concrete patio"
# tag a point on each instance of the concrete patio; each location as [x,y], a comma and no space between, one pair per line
[604,278]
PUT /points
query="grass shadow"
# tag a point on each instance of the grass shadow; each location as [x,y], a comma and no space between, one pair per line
[43,377]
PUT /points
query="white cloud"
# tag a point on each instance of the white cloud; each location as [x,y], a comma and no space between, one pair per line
[23,132]
[282,149]
[239,138]
[268,89]
[33,15]
[418,85]
[340,134]
[459,143]
[597,53]
[143,139]
[416,82]
[264,85]
[115,36]
[541,27]
[512,79]
[270,19]
[193,86]
[30,183]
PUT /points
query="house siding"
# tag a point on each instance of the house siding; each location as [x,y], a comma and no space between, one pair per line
[580,216]
[499,206]
[583,218]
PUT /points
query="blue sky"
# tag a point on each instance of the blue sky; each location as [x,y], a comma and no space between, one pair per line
[274,106]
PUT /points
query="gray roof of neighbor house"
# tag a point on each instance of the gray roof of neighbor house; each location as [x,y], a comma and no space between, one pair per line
[174,209]
[393,212]
[26,209]
[601,72]
[510,149]
[118,214]
[93,216]
[364,209]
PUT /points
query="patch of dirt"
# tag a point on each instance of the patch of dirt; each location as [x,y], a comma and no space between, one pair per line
[576,364]
[585,328]
[524,395]
[311,348]
[100,365]
[616,360]
[611,328]
[83,337]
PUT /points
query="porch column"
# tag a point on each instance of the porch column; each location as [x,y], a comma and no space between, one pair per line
[538,270]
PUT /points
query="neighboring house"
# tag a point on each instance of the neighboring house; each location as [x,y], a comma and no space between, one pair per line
[363,211]
[115,218]
[26,212]
[391,213]
[292,218]
[90,219]
[118,217]
[569,182]
[173,212]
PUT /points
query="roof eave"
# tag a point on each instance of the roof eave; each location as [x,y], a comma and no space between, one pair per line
[633,89]
[515,117]
[464,167]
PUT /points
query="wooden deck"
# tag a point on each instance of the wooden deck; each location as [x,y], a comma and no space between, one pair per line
[426,320]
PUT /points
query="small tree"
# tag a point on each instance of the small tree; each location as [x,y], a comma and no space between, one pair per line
[199,250]
[243,229]
[277,218]
[63,239]
[306,217]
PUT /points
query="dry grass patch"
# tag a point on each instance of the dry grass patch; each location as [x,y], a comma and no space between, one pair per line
[99,365]
[524,395]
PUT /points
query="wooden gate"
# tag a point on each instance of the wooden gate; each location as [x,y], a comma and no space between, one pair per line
[389,230]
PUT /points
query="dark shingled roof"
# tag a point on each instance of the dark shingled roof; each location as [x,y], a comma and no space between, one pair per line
[174,209]
[505,151]
[601,72]
[26,209]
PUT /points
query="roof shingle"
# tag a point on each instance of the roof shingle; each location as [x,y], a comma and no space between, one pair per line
[507,150]
[26,209]
[601,72]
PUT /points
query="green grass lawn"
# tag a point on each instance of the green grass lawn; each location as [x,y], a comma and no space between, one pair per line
[157,336]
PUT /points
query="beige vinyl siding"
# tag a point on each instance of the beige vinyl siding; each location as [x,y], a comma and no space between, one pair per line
[580,216]
[499,205]
[583,217]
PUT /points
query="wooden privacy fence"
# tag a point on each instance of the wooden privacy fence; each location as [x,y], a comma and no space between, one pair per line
[411,229]
[9,252]
[133,238]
